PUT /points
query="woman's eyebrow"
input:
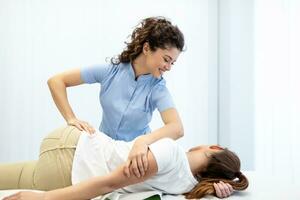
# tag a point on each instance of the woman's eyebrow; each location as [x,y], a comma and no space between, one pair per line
[169,57]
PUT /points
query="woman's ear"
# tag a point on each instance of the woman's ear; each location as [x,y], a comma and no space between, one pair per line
[146,48]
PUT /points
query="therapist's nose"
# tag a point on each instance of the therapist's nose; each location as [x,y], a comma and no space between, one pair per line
[167,67]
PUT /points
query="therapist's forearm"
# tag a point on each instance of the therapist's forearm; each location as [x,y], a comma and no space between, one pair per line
[85,190]
[172,130]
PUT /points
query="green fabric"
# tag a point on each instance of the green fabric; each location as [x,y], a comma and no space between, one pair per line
[154,197]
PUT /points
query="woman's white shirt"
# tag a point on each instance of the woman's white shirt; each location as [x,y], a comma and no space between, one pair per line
[99,154]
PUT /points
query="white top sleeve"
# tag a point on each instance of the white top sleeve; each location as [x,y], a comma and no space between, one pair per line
[164,151]
[174,175]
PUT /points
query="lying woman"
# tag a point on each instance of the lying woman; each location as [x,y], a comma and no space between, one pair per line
[93,165]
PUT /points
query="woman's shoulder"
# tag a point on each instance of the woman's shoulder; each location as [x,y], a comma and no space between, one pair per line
[165,152]
[164,144]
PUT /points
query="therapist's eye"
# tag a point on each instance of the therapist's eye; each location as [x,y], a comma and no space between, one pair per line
[166,60]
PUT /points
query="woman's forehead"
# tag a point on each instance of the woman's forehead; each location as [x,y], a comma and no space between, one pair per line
[172,53]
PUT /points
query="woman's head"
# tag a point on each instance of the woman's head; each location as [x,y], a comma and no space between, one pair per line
[223,165]
[155,36]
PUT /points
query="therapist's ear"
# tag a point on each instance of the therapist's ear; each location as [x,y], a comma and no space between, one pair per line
[146,48]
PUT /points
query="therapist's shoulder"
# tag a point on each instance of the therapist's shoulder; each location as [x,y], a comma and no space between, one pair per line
[100,67]
[161,82]
[98,72]
[159,89]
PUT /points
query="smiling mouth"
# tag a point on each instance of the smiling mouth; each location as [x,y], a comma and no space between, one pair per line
[161,71]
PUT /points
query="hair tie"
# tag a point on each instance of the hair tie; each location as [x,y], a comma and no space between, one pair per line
[238,174]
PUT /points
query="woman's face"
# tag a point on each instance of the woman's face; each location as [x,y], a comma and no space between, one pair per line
[161,60]
[207,148]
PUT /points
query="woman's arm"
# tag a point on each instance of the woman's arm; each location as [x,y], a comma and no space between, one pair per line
[101,185]
[57,85]
[90,188]
[172,128]
[137,162]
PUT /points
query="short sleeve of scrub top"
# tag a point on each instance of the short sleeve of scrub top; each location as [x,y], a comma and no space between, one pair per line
[95,73]
[162,98]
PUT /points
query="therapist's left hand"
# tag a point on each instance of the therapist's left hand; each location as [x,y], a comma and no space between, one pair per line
[26,195]
[137,161]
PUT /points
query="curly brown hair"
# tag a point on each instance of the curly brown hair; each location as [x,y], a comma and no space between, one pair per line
[223,166]
[157,31]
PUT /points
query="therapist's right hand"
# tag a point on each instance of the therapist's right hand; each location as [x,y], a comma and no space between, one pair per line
[81,125]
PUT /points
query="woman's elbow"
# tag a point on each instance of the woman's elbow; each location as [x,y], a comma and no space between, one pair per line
[55,82]
[180,130]
[51,81]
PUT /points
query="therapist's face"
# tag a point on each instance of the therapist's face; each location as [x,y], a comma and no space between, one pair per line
[160,60]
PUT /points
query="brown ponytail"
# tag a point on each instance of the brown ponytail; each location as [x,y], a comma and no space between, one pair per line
[157,31]
[223,166]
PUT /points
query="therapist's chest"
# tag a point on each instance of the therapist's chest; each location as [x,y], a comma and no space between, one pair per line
[121,97]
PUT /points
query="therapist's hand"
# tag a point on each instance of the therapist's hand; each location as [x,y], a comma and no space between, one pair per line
[26,195]
[137,162]
[81,125]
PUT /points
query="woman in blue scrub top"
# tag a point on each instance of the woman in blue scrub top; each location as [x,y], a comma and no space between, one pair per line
[132,87]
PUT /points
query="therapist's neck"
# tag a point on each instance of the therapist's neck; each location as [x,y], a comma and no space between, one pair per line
[139,66]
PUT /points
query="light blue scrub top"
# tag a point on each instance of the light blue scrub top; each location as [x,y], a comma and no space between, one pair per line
[127,103]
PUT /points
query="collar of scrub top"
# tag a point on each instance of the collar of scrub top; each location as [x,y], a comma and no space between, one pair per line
[141,78]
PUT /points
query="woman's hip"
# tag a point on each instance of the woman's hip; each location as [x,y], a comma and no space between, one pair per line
[65,137]
[53,169]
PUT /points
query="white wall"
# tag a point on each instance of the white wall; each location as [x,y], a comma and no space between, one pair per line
[41,38]
[277,86]
[236,79]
